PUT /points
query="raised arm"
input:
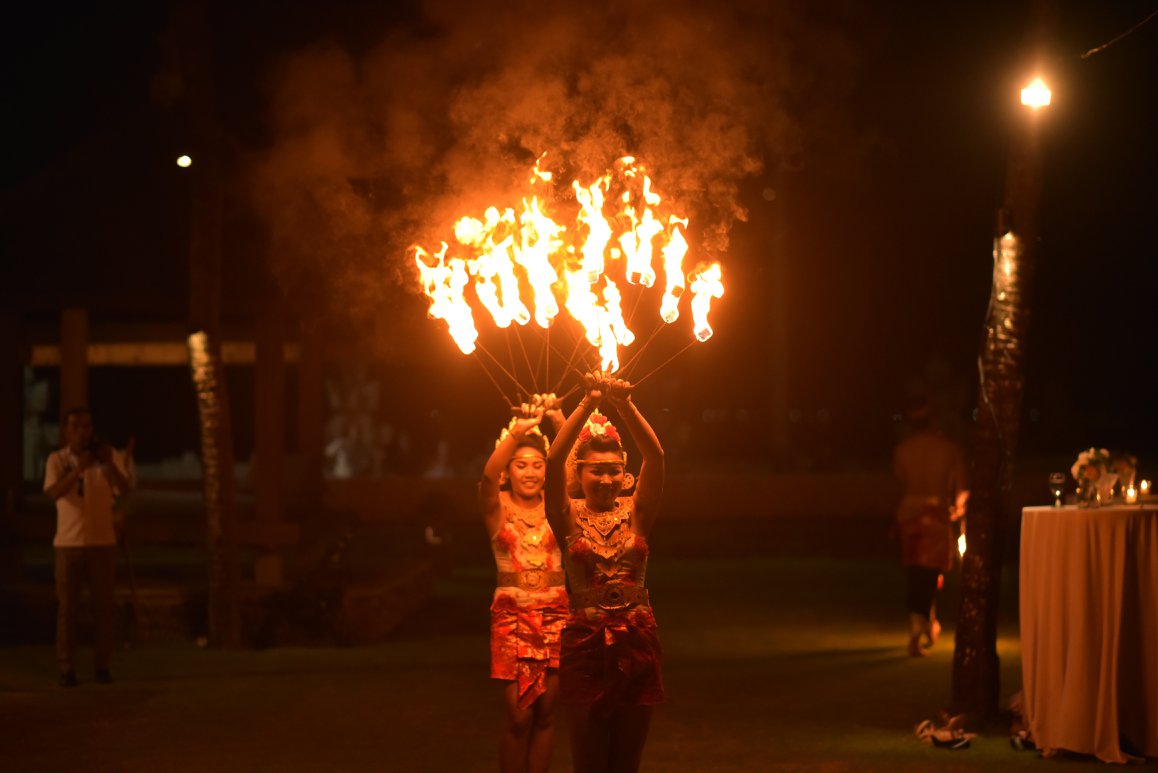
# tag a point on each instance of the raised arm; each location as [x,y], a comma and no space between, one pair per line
[58,481]
[488,485]
[649,487]
[555,491]
[552,413]
[117,478]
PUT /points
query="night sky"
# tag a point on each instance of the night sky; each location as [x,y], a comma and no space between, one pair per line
[871,221]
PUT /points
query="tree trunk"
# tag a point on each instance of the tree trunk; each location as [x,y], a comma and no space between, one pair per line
[188,80]
[976,670]
[218,485]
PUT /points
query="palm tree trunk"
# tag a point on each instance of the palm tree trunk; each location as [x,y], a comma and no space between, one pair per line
[976,668]
[189,66]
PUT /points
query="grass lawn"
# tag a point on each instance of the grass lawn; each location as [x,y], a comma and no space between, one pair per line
[773,662]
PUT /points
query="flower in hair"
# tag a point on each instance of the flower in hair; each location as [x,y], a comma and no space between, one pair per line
[598,426]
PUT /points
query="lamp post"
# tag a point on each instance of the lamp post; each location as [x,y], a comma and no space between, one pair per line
[976,670]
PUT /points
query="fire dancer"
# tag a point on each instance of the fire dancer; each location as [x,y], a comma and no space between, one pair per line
[530,602]
[931,468]
[609,675]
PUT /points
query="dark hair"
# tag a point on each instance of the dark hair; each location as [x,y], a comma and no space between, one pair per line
[918,410]
[531,440]
[598,444]
[77,410]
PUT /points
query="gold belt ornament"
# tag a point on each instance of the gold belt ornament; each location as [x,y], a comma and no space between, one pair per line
[531,579]
[610,596]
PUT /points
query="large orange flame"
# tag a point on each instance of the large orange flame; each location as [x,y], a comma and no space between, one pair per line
[529,265]
[705,286]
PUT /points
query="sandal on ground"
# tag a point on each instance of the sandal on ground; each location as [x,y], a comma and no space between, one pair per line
[951,743]
[1022,741]
[950,735]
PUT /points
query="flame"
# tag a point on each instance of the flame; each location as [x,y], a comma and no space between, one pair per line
[598,229]
[705,286]
[494,274]
[673,261]
[540,238]
[443,283]
[539,174]
[533,263]
[961,544]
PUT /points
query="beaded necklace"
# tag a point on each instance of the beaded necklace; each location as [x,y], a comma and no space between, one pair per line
[607,532]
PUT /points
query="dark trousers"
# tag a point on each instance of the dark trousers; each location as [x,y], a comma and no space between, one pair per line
[922,589]
[96,568]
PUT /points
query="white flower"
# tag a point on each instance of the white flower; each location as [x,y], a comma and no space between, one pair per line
[1083,460]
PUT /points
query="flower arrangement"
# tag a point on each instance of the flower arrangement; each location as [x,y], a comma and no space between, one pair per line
[598,426]
[1090,465]
[1125,465]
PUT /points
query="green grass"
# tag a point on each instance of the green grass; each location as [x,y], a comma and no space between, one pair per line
[771,663]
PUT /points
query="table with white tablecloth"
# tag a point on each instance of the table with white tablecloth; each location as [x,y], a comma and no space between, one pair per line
[1089,629]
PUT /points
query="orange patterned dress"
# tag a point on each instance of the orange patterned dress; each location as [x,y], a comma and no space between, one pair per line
[530,603]
[611,653]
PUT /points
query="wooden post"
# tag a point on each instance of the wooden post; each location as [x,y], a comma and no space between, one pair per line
[269,457]
[311,416]
[11,444]
[269,381]
[73,360]
[778,337]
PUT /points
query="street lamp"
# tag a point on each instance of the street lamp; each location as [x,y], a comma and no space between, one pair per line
[1036,95]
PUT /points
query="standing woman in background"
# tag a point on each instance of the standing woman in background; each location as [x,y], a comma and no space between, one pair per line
[609,673]
[530,601]
[931,469]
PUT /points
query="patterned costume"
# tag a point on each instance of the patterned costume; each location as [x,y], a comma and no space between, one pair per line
[530,602]
[611,652]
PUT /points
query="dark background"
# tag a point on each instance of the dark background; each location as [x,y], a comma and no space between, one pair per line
[885,251]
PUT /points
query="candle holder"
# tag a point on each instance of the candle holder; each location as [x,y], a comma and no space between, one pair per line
[1144,487]
[1131,495]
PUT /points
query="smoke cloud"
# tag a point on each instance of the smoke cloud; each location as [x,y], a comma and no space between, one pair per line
[386,147]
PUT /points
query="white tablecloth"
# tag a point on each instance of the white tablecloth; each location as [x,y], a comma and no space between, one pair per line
[1089,629]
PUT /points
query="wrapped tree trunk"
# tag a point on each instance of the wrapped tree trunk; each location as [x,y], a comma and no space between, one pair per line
[187,81]
[976,670]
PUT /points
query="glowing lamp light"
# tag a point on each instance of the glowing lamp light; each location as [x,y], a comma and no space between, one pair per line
[1036,95]
[184,162]
[961,544]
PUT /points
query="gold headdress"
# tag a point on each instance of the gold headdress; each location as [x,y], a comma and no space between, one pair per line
[597,425]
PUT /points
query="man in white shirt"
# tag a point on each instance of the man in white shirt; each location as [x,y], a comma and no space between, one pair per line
[83,480]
